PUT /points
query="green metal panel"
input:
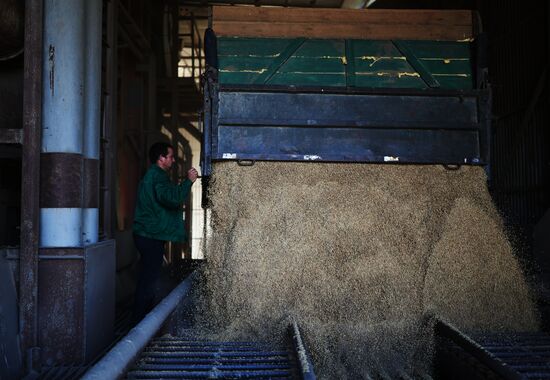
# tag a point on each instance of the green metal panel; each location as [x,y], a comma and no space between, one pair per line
[417,64]
[390,79]
[448,66]
[375,48]
[289,50]
[352,63]
[454,82]
[382,64]
[321,48]
[236,64]
[439,49]
[314,65]
[448,62]
[304,79]
[244,47]
[238,77]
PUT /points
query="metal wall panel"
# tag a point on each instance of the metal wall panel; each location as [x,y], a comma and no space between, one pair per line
[11,363]
[76,302]
[99,297]
[518,58]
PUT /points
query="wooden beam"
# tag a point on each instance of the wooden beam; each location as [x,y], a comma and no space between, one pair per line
[344,31]
[377,24]
[192,130]
[11,136]
[335,16]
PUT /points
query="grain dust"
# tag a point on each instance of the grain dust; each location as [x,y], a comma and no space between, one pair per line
[358,254]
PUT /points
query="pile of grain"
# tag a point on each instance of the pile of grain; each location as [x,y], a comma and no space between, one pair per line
[358,254]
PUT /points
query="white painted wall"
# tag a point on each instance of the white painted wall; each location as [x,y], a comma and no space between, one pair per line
[197,213]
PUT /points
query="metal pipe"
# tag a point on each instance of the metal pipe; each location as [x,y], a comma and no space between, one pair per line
[62,112]
[64,61]
[120,357]
[92,105]
[92,80]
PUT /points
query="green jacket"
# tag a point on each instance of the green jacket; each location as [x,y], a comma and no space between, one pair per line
[159,212]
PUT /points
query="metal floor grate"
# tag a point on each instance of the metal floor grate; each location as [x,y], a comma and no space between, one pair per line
[528,354]
[174,358]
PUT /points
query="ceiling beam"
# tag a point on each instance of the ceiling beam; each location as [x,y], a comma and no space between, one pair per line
[192,130]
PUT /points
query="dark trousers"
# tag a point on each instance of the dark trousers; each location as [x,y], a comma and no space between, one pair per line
[151,251]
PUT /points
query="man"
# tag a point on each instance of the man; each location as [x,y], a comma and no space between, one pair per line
[158,218]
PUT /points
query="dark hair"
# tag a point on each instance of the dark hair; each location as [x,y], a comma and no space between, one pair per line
[158,149]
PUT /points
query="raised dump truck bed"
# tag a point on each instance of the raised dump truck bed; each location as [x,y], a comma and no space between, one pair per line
[410,95]
[361,126]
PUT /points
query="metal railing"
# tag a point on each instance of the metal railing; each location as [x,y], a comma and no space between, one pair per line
[116,362]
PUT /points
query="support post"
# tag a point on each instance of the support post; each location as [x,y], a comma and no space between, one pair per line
[32,120]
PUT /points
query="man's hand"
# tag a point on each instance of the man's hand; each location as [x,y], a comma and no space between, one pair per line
[192,174]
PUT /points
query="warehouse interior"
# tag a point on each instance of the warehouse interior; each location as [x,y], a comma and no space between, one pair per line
[133,73]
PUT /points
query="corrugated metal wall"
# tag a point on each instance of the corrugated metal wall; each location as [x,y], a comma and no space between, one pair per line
[518,69]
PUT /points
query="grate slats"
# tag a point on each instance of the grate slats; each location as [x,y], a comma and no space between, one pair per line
[526,353]
[174,358]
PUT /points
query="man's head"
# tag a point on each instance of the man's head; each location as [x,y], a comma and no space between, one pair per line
[162,154]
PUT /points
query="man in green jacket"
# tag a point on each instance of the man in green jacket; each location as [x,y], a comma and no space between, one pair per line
[158,218]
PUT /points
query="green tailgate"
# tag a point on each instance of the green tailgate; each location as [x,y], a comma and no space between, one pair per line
[340,63]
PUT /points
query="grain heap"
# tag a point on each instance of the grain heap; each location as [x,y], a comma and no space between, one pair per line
[358,254]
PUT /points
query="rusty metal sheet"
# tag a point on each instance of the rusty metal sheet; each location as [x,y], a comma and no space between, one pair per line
[61,304]
[61,180]
[32,122]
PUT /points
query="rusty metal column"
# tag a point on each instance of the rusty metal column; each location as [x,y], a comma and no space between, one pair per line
[63,106]
[174,111]
[92,101]
[174,89]
[32,118]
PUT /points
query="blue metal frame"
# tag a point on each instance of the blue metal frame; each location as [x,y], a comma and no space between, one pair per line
[345,125]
